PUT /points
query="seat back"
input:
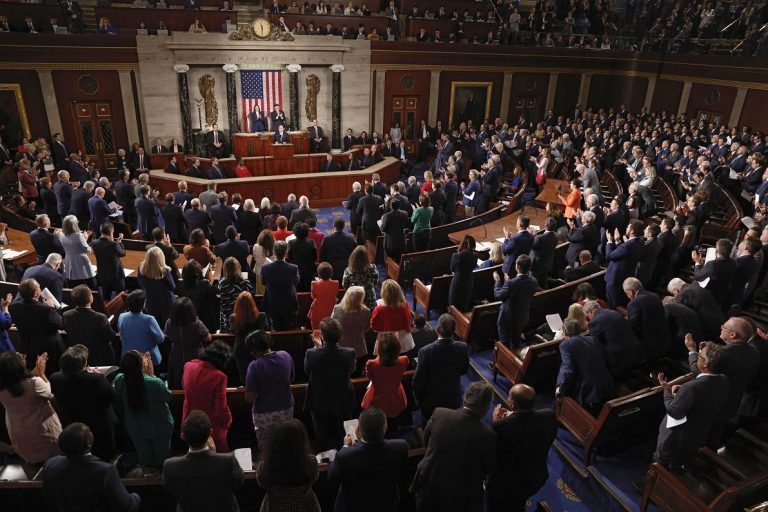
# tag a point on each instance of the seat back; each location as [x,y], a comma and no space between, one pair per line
[541,365]
[441,261]
[483,283]
[558,299]
[482,331]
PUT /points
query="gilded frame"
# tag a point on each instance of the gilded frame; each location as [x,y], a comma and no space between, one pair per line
[20,107]
[460,92]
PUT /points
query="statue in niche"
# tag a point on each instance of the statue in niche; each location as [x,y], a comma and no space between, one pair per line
[313,89]
[206,86]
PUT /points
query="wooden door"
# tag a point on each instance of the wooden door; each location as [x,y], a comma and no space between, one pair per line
[405,113]
[526,106]
[94,128]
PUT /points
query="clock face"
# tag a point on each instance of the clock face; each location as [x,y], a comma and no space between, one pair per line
[261,27]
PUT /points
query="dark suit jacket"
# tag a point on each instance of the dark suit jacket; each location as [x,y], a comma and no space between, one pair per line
[99,212]
[46,277]
[222,216]
[331,166]
[452,436]
[162,149]
[288,208]
[437,379]
[543,255]
[584,374]
[330,390]
[704,304]
[50,203]
[180,197]
[125,194]
[335,249]
[175,223]
[370,469]
[587,237]
[108,263]
[197,218]
[699,401]
[303,254]
[646,315]
[380,189]
[237,249]
[277,119]
[85,397]
[195,172]
[63,193]
[45,243]
[523,442]
[720,272]
[574,274]
[79,206]
[280,279]
[622,260]
[86,484]
[60,155]
[203,481]
[521,243]
[393,225]
[369,208]
[92,329]
[516,294]
[147,214]
[301,215]
[622,348]
[216,173]
[39,326]
[281,138]
[355,219]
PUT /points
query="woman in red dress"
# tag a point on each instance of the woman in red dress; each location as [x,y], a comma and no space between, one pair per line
[323,291]
[386,374]
[392,314]
[241,171]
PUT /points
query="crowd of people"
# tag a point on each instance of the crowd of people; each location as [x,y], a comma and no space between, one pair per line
[170,337]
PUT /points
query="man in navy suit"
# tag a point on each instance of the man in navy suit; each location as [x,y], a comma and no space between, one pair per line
[197,218]
[516,245]
[182,197]
[277,118]
[451,191]
[367,159]
[77,477]
[100,210]
[336,248]
[441,365]
[63,191]
[215,172]
[280,280]
[516,295]
[126,197]
[329,165]
[43,240]
[79,204]
[586,237]
[147,213]
[373,466]
[234,248]
[47,275]
[281,136]
[222,216]
[623,350]
[584,374]
[645,313]
[622,261]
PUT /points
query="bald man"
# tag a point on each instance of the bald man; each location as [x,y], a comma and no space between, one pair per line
[743,363]
[524,437]
[99,209]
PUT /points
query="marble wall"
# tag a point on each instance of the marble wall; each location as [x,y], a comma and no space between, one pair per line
[206,53]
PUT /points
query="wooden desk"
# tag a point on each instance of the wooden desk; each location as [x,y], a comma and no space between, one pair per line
[19,241]
[549,193]
[260,144]
[495,229]
[127,19]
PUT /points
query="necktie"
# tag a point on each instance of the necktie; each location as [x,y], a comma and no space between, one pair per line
[158,149]
[316,133]
[215,138]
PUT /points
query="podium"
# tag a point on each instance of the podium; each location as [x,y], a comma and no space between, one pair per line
[161,160]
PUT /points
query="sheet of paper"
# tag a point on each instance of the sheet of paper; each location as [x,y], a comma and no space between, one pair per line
[206,269]
[9,254]
[46,294]
[244,458]
[554,322]
[244,275]
[114,205]
[115,215]
[350,428]
[379,223]
[236,206]
[672,422]
[746,195]
[184,205]
[290,237]
[127,271]
[484,246]
[470,196]
[501,240]
[326,456]
[94,269]
[711,254]
[733,175]
[534,228]
[749,222]
[480,262]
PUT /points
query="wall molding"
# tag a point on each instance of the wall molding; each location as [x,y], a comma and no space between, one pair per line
[71,66]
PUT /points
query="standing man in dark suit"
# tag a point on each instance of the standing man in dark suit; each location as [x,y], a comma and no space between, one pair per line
[645,313]
[441,365]
[201,479]
[426,139]
[379,187]
[233,247]
[622,261]
[79,204]
[516,245]
[163,242]
[81,478]
[373,466]
[393,225]
[719,272]
[146,212]
[215,142]
[277,118]
[223,216]
[451,191]
[215,172]
[355,219]
[60,153]
[369,208]
[289,206]
[396,192]
[90,328]
[586,237]
[699,402]
[280,280]
[159,147]
[63,191]
[523,437]
[623,350]
[330,397]
[281,136]
[336,248]
[583,374]
[108,251]
[301,214]
[316,137]
[329,165]
[99,210]
[126,197]
[47,275]
[516,295]
[197,218]
[43,240]
[181,197]
[543,252]
[175,223]
[461,453]
[39,324]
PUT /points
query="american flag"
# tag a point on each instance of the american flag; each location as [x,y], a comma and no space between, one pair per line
[262,88]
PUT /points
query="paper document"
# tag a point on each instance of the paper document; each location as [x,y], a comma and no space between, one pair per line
[46,294]
[711,254]
[290,237]
[350,428]
[534,228]
[326,456]
[244,275]
[672,422]
[480,262]
[206,269]
[235,206]
[127,271]
[483,246]
[749,222]
[501,240]
[9,254]
[184,205]
[115,215]
[554,322]
[114,205]
[94,269]
[244,458]
[733,175]
[746,195]
[428,286]
[470,196]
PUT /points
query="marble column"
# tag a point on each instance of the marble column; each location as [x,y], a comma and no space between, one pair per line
[506,94]
[129,107]
[586,82]
[336,69]
[738,106]
[293,94]
[434,96]
[186,116]
[232,120]
[49,98]
[649,92]
[687,86]
[378,106]
[551,91]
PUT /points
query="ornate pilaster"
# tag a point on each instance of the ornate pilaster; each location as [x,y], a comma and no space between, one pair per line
[186,117]
[293,94]
[233,120]
[336,106]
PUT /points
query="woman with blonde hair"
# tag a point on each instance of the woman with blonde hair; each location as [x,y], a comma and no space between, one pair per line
[265,207]
[361,272]
[428,185]
[77,266]
[575,312]
[496,256]
[392,314]
[355,320]
[156,280]
[231,285]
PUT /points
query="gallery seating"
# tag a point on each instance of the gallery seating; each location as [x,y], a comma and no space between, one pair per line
[423,265]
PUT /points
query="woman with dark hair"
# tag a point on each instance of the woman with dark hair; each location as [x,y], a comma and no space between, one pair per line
[463,263]
[386,374]
[187,335]
[268,384]
[421,219]
[205,389]
[245,319]
[287,470]
[147,418]
[303,253]
[231,285]
[199,249]
[270,220]
[33,425]
[203,294]
[584,293]
[361,272]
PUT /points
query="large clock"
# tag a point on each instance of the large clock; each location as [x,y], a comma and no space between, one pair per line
[261,27]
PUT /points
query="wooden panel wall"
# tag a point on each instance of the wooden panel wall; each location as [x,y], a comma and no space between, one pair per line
[448,77]
[567,93]
[713,98]
[755,111]
[394,86]
[68,92]
[614,90]
[666,95]
[33,101]
[527,85]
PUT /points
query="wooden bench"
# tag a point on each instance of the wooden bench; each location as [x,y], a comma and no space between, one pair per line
[558,299]
[477,327]
[435,295]
[536,365]
[725,221]
[424,265]
[623,422]
[439,235]
[609,186]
